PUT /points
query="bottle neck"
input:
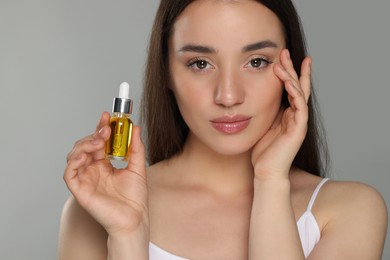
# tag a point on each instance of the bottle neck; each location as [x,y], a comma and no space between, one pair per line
[120,114]
[122,105]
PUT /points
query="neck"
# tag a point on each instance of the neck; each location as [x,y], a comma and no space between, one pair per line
[218,172]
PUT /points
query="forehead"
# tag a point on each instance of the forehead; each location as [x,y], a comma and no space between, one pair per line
[224,21]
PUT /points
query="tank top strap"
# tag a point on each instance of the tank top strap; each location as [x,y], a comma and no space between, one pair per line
[315,193]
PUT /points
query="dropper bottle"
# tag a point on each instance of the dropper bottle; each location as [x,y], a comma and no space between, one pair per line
[121,125]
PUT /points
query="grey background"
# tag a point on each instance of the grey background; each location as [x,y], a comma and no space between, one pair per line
[61,62]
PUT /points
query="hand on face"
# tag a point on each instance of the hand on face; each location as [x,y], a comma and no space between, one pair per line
[273,155]
[116,198]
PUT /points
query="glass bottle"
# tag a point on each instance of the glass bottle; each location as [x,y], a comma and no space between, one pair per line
[118,144]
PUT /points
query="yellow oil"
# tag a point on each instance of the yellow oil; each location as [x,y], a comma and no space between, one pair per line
[118,144]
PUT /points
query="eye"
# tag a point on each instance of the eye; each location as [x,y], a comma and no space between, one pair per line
[258,63]
[199,64]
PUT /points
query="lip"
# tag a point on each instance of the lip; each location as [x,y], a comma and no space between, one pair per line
[231,124]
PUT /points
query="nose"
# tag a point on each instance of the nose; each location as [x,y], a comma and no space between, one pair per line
[228,91]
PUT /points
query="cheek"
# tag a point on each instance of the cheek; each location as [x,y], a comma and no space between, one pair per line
[190,98]
[191,92]
[266,91]
[275,92]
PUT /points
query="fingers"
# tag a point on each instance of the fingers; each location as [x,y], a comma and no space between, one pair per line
[71,171]
[104,120]
[87,150]
[93,143]
[286,72]
[305,79]
[286,62]
[136,157]
[298,89]
[83,154]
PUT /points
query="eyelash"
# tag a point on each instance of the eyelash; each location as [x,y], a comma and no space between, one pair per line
[194,63]
[262,60]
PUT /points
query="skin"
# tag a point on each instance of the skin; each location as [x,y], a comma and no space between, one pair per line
[185,204]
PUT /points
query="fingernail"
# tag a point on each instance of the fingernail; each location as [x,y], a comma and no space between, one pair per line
[288,54]
[101,130]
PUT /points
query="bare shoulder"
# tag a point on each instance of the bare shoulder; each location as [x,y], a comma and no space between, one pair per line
[353,220]
[341,197]
[81,237]
[347,198]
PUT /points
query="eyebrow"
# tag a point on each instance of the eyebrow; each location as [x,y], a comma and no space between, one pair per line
[250,47]
[259,45]
[197,48]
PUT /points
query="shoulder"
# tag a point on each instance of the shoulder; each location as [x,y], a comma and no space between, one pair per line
[340,197]
[81,237]
[351,214]
[346,197]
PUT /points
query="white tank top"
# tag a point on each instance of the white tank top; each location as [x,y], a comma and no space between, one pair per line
[308,229]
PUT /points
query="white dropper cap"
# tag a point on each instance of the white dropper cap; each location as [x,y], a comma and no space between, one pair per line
[123,103]
[124,90]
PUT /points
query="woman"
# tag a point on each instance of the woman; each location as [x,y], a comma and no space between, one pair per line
[234,150]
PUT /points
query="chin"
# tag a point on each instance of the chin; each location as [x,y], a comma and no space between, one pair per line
[232,148]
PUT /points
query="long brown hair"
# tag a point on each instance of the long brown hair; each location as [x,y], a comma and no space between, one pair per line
[165,128]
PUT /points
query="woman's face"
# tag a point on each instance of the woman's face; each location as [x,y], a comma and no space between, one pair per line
[221,55]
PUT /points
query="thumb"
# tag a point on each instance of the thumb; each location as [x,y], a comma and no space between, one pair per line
[136,155]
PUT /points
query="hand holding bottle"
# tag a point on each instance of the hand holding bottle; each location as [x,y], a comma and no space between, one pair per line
[116,198]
